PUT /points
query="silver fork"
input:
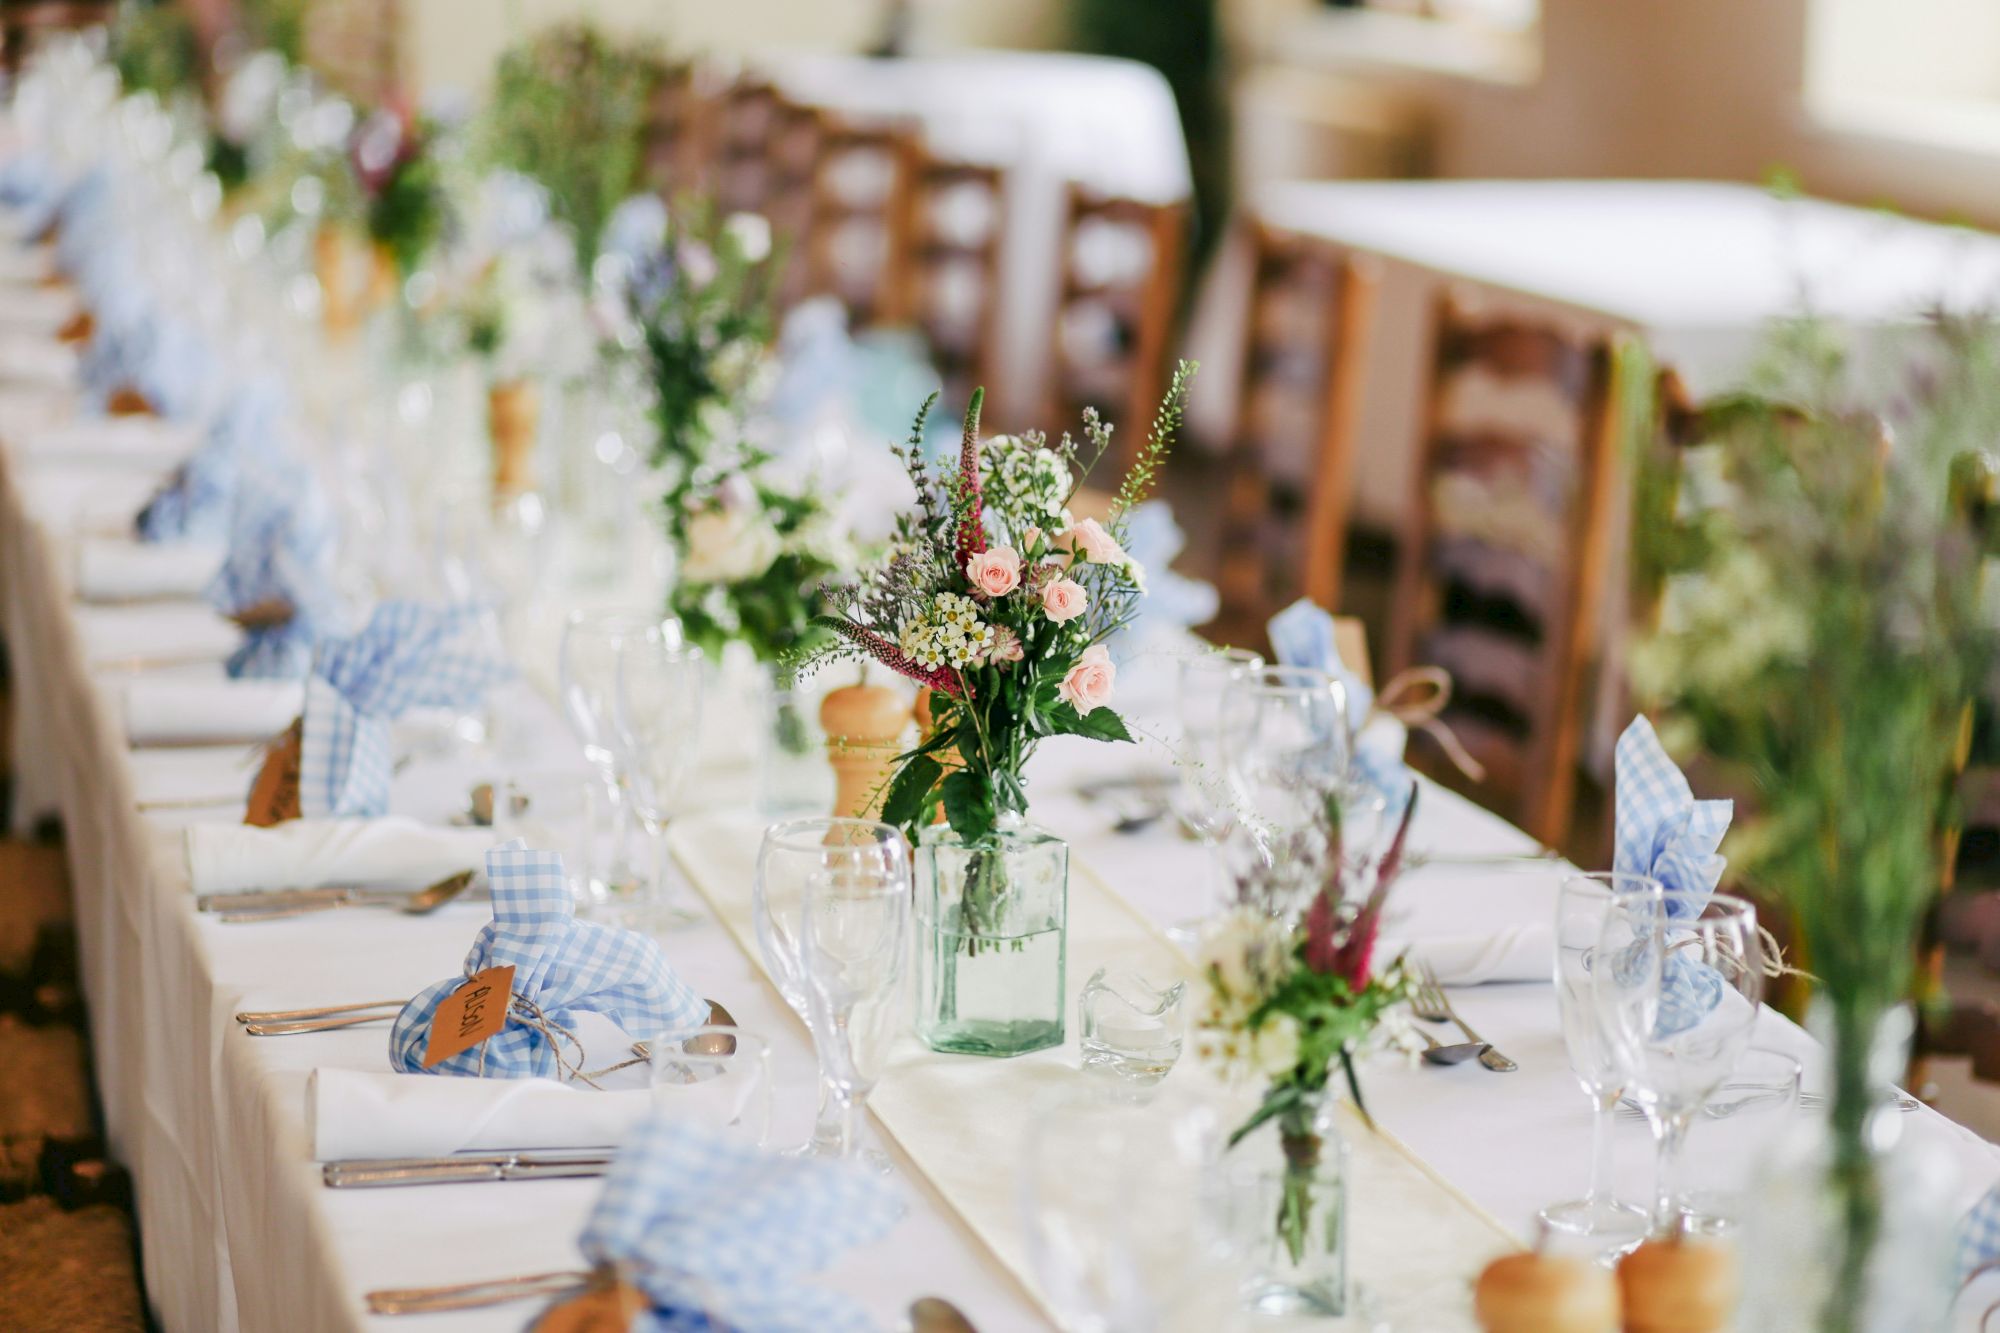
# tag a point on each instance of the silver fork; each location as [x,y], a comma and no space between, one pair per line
[1428,1002]
[474,1295]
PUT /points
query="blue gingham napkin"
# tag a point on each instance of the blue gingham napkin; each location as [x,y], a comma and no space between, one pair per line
[1979,1235]
[281,549]
[1664,832]
[1302,636]
[719,1234]
[159,355]
[409,655]
[561,966]
[195,502]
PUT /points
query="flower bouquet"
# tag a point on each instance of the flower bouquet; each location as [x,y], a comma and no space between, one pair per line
[1287,1004]
[395,160]
[999,604]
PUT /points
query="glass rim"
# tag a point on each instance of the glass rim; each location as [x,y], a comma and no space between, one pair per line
[808,833]
[680,648]
[1607,882]
[1241,659]
[1705,899]
[1281,679]
[743,1037]
[617,620]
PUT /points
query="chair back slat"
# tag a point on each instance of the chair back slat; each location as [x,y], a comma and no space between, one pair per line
[950,288]
[858,244]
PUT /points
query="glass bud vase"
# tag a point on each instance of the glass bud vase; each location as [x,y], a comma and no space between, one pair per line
[992,940]
[1285,1199]
[1849,1230]
[793,775]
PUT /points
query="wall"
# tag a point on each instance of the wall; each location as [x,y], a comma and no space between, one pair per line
[452,44]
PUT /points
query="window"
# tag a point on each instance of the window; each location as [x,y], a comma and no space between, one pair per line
[1927,69]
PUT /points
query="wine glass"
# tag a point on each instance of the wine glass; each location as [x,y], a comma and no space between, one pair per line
[1204,805]
[587,677]
[853,943]
[1581,904]
[657,739]
[1677,983]
[717,1076]
[1286,750]
[796,861]
[1759,1100]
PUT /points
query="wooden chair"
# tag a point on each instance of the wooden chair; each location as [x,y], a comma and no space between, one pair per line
[1115,311]
[858,241]
[797,134]
[950,288]
[1501,571]
[678,116]
[1305,344]
[24,24]
[740,161]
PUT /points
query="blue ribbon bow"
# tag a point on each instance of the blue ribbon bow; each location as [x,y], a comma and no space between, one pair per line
[718,1234]
[561,966]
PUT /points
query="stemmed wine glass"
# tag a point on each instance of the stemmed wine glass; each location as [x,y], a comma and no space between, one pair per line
[1285,746]
[717,1076]
[1581,905]
[1205,805]
[588,679]
[1677,982]
[831,904]
[657,738]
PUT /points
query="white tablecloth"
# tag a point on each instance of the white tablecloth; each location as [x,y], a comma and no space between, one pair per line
[1050,119]
[239,1232]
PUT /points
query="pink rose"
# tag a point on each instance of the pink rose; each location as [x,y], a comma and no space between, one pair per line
[996,572]
[1097,545]
[1087,685]
[1064,600]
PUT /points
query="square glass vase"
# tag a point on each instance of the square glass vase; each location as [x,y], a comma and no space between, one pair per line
[992,940]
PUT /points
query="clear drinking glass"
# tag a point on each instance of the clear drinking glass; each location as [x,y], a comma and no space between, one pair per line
[854,942]
[1755,1107]
[719,1077]
[588,679]
[1286,750]
[1204,805]
[797,861]
[657,706]
[1677,983]
[1132,1026]
[1581,904]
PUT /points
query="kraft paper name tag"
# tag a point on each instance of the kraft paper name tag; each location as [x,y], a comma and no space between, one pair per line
[274,796]
[469,1015]
[603,1307]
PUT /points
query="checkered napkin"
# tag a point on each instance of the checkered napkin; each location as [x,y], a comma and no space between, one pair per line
[1979,1235]
[281,550]
[1664,832]
[718,1234]
[1302,636]
[195,502]
[409,655]
[561,966]
[28,182]
[158,354]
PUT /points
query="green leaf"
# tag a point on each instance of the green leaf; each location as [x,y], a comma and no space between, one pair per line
[1100,724]
[968,805]
[909,790]
[1279,1100]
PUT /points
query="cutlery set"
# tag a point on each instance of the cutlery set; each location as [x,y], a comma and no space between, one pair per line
[281,904]
[1428,1002]
[377,1173]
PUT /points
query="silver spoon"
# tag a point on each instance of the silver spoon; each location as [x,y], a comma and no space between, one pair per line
[935,1314]
[1437,1053]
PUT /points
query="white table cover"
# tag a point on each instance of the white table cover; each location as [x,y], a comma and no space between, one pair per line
[1050,118]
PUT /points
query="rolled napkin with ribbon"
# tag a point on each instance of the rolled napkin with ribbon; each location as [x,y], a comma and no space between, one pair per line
[207,712]
[715,1233]
[111,570]
[1664,832]
[315,853]
[277,582]
[560,968]
[353,1114]
[152,358]
[196,500]
[409,655]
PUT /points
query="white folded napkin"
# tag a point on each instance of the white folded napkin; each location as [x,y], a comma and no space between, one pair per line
[114,570]
[353,1113]
[36,358]
[1511,953]
[31,407]
[154,633]
[23,265]
[34,309]
[194,712]
[138,441]
[309,853]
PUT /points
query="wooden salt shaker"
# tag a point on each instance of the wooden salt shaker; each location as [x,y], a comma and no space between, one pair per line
[1530,1292]
[513,417]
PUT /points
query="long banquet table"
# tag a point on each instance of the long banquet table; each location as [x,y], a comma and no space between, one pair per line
[238,1231]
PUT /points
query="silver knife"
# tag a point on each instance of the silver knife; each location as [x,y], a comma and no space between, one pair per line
[267,900]
[380,1173]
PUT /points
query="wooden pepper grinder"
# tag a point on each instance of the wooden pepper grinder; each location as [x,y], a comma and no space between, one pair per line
[864,727]
[1532,1292]
[1678,1284]
[514,418]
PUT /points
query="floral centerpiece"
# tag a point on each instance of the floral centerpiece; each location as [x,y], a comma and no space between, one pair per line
[998,603]
[1288,1004]
[1822,638]
[397,168]
[567,87]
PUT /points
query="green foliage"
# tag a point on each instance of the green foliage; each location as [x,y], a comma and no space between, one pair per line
[155,49]
[569,108]
[409,211]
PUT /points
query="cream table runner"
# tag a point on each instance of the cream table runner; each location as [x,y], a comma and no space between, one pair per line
[1417,1244]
